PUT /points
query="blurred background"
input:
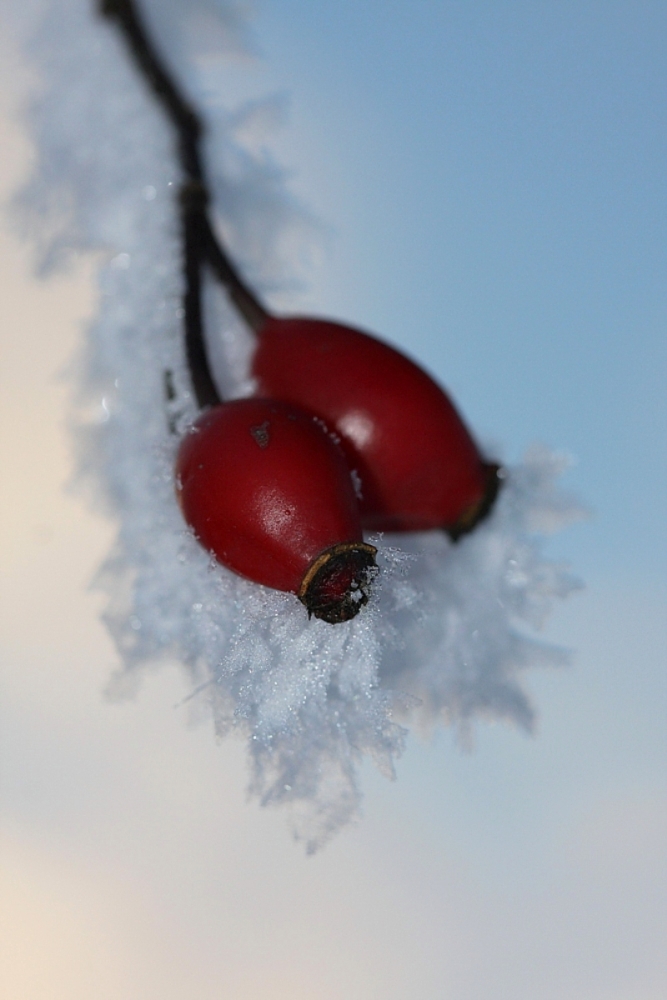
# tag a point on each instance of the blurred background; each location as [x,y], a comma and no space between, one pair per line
[490,179]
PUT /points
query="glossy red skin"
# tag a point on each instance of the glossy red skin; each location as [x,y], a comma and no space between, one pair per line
[266,490]
[419,466]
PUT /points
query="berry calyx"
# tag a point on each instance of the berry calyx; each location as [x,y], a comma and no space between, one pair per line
[337,584]
[418,464]
[480,509]
[267,491]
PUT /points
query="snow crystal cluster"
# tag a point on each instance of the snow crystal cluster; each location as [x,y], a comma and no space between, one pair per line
[443,638]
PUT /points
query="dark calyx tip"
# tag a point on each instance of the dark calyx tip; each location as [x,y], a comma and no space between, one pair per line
[337,584]
[493,478]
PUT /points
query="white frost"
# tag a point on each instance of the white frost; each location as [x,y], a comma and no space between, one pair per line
[443,638]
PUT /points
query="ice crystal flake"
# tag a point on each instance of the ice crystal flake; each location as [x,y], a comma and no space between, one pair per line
[444,638]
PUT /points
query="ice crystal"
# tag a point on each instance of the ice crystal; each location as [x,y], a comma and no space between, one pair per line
[447,635]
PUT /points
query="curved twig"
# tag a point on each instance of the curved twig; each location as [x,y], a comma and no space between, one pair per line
[200,243]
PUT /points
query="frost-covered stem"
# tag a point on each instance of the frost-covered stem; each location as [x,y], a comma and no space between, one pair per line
[200,243]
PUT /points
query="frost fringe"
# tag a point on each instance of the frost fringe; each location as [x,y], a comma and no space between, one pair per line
[445,640]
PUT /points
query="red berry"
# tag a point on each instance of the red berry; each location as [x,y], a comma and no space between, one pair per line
[419,466]
[268,492]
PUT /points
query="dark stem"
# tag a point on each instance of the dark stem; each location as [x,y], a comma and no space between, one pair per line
[203,385]
[200,243]
[246,302]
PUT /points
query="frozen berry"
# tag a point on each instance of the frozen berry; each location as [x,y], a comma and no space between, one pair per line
[418,464]
[268,492]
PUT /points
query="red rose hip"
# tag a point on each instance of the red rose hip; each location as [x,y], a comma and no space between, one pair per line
[268,492]
[419,466]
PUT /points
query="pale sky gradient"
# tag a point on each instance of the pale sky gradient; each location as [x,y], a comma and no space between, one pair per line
[132,867]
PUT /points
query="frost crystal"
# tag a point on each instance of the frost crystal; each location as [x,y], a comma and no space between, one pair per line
[441,639]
